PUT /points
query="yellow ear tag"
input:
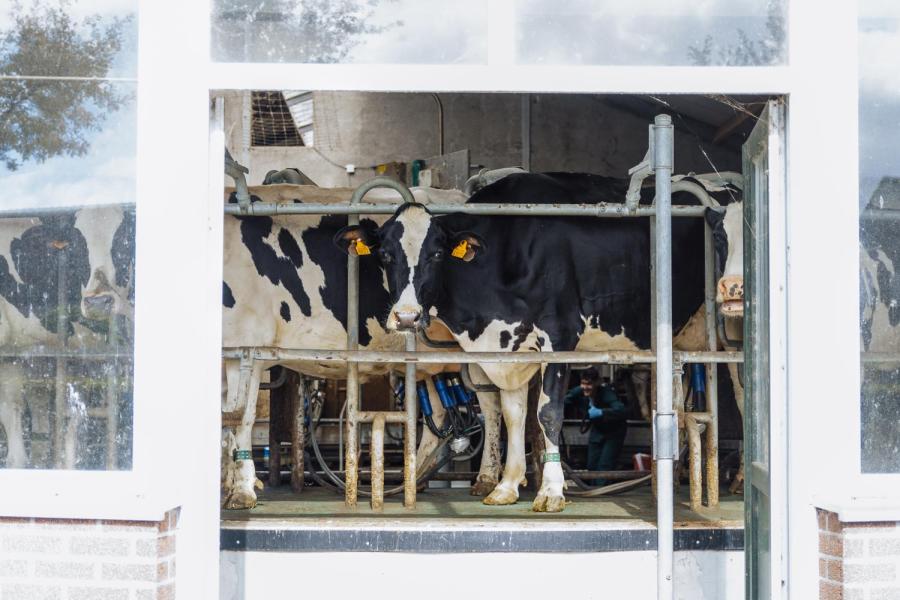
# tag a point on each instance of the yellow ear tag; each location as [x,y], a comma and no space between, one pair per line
[460,250]
[362,249]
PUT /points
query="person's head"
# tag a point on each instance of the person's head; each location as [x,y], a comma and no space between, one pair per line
[589,378]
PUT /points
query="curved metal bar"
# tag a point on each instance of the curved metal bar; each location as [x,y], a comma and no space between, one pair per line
[692,187]
[282,377]
[423,337]
[381,182]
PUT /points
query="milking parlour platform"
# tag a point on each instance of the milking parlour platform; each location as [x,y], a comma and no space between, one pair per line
[450,520]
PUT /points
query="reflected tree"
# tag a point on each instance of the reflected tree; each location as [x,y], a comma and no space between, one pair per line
[41,118]
[771,49]
[305,31]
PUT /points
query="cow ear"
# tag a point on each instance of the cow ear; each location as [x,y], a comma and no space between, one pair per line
[356,240]
[466,246]
[713,217]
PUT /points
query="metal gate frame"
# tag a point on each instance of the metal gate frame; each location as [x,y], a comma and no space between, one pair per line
[659,161]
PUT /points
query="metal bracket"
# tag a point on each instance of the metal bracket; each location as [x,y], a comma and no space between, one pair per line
[665,436]
[238,172]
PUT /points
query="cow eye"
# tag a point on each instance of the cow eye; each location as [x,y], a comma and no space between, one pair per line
[385,257]
[437,255]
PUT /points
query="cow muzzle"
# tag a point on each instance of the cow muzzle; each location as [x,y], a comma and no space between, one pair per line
[730,296]
[407,319]
[98,307]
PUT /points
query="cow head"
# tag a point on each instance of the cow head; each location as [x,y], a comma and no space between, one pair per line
[109,233]
[413,249]
[728,236]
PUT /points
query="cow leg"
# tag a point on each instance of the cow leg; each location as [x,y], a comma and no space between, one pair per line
[11,408]
[737,484]
[243,494]
[489,402]
[554,378]
[489,472]
[641,382]
[514,404]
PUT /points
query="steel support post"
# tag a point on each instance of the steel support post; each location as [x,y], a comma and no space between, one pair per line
[712,371]
[351,456]
[376,457]
[112,399]
[409,442]
[665,427]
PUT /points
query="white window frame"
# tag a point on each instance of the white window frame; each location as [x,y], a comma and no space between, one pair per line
[179,254]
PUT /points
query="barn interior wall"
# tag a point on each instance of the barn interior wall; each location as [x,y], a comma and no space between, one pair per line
[585,133]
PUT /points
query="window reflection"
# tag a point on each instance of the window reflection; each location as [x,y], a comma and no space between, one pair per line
[652,32]
[67,221]
[349,31]
[879,199]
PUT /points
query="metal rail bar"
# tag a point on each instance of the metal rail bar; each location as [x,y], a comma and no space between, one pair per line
[61,425]
[666,428]
[351,465]
[372,356]
[269,209]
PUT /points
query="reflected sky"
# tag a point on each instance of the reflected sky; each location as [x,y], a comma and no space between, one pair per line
[106,174]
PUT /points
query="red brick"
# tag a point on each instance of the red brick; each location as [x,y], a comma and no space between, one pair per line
[166,592]
[165,546]
[170,522]
[831,544]
[836,570]
[834,524]
[15,521]
[873,524]
[822,518]
[830,591]
[823,568]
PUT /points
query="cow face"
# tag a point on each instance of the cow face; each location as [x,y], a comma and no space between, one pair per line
[728,237]
[109,232]
[412,248]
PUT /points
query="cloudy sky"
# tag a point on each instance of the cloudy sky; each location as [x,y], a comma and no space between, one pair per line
[106,174]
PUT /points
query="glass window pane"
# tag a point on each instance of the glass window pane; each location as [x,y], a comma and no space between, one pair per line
[651,32]
[349,31]
[879,200]
[67,161]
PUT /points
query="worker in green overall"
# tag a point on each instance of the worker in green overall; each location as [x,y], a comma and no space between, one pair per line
[605,413]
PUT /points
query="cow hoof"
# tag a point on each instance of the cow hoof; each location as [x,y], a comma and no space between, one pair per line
[483,487]
[500,497]
[548,503]
[240,500]
[737,486]
[258,484]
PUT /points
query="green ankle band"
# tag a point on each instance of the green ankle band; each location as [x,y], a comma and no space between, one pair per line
[243,455]
[547,457]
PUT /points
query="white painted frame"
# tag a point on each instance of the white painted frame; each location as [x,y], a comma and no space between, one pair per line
[179,263]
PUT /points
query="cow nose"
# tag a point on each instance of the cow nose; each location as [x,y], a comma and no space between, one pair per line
[407,319]
[98,305]
[731,288]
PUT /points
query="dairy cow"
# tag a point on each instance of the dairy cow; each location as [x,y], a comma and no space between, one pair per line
[285,287]
[98,243]
[527,284]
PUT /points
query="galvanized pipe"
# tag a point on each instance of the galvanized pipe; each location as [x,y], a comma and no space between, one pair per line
[624,357]
[409,442]
[269,209]
[112,401]
[351,466]
[376,456]
[712,379]
[666,428]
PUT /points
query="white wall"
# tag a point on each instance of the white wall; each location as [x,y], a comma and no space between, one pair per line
[631,575]
[569,132]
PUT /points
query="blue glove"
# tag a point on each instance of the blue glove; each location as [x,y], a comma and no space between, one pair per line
[595,413]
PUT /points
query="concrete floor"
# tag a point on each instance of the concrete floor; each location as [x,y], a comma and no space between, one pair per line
[455,504]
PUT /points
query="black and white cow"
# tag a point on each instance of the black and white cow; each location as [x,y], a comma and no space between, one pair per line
[99,270]
[527,284]
[284,286]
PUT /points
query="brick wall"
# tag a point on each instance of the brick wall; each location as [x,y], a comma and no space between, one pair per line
[858,561]
[66,559]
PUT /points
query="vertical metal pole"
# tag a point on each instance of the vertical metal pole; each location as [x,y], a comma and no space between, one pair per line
[61,421]
[665,428]
[376,454]
[112,398]
[712,379]
[298,437]
[351,465]
[409,442]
